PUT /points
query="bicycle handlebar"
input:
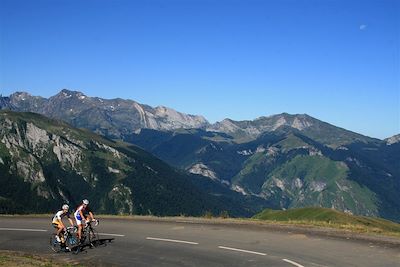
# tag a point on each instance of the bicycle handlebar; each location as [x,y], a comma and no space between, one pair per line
[72,228]
[96,222]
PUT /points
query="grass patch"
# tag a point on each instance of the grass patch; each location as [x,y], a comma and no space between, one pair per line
[331,218]
[14,259]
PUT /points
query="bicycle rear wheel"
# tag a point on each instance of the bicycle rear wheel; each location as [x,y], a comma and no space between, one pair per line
[54,244]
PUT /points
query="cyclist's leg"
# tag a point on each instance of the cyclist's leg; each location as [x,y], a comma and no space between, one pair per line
[55,225]
[79,223]
[80,231]
[60,230]
[58,227]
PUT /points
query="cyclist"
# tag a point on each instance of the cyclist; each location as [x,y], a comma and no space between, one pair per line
[58,223]
[79,215]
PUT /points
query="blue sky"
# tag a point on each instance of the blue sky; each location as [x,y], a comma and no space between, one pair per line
[335,60]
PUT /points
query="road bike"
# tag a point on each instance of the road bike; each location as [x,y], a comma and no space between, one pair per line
[69,240]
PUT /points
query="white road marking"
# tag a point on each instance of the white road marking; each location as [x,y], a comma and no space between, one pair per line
[21,229]
[242,250]
[112,234]
[171,240]
[292,262]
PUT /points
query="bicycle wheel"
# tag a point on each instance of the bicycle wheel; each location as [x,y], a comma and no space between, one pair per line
[84,237]
[72,241]
[54,244]
[93,237]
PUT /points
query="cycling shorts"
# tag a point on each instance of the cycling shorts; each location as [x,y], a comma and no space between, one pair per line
[78,219]
[56,224]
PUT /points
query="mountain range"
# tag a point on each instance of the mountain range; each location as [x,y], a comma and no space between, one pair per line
[45,163]
[280,161]
[115,118]
[119,118]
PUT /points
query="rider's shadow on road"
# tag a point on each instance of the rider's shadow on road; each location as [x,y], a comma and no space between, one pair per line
[102,242]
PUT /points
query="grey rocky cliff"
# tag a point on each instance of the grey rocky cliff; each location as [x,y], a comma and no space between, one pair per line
[201,169]
[114,117]
[393,140]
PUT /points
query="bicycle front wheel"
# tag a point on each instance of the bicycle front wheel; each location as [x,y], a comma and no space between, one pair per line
[93,237]
[54,244]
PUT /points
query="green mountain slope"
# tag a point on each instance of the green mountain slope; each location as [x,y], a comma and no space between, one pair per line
[288,169]
[318,181]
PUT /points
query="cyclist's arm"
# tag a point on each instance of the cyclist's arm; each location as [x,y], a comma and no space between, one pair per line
[91,215]
[82,216]
[71,222]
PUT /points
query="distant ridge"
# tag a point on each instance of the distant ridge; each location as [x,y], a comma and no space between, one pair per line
[114,117]
[119,118]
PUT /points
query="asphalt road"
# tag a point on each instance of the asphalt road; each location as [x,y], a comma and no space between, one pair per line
[192,243]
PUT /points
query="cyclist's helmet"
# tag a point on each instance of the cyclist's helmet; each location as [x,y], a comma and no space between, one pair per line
[65,207]
[86,202]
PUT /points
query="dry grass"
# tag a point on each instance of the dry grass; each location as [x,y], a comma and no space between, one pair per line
[329,218]
[354,228]
[14,259]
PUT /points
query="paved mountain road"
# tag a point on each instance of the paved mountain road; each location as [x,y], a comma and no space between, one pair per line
[160,243]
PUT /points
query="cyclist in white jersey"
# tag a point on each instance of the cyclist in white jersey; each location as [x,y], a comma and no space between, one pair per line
[58,223]
[79,215]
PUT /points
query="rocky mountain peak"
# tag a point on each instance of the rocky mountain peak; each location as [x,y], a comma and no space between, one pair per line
[226,125]
[65,93]
[393,140]
[20,96]
[296,121]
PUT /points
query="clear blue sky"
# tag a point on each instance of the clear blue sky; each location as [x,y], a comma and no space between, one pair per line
[335,60]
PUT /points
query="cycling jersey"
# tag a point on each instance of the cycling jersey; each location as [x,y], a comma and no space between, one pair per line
[77,213]
[59,215]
